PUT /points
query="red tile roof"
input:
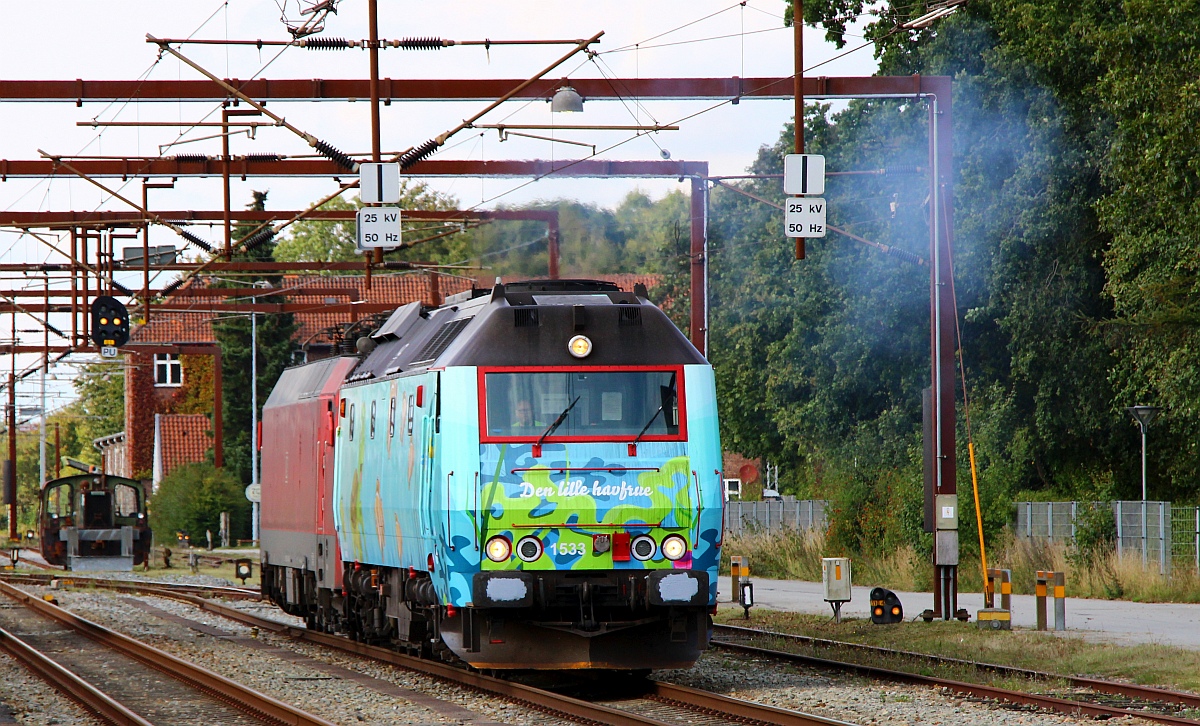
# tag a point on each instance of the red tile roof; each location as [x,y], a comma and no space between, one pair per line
[183,439]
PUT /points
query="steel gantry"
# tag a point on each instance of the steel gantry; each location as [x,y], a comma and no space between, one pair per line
[933,89]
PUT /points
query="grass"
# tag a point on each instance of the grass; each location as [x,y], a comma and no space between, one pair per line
[1104,575]
[1156,665]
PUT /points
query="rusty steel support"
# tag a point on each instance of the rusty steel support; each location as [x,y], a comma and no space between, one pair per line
[74,293]
[552,245]
[942,314]
[698,254]
[393,89]
[10,465]
[124,168]
[798,35]
[373,56]
[146,187]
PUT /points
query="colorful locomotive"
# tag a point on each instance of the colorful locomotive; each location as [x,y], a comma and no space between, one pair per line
[94,522]
[527,477]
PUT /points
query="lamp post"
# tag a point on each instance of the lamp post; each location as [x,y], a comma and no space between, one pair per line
[1144,415]
[266,285]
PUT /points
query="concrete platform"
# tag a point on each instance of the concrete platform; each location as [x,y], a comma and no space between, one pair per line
[1108,621]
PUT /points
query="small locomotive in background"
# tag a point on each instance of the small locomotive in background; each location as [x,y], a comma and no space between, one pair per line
[524,477]
[94,521]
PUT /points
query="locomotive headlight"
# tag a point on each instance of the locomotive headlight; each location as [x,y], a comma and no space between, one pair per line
[674,547]
[498,549]
[529,548]
[643,547]
[580,346]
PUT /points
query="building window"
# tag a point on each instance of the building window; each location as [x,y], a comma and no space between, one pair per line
[168,371]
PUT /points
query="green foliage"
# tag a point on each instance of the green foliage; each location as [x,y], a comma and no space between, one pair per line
[1074,263]
[318,241]
[275,347]
[192,497]
[100,406]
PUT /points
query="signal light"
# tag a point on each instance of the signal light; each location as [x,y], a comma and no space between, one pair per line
[110,322]
[885,607]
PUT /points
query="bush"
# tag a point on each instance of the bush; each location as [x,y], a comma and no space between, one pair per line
[192,497]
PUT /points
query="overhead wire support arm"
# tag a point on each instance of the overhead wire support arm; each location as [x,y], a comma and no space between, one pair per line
[328,43]
[412,156]
[150,216]
[323,147]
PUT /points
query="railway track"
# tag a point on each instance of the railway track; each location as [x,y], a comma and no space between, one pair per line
[124,681]
[130,586]
[652,704]
[1088,696]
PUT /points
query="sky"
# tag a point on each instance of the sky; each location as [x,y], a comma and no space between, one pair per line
[69,39]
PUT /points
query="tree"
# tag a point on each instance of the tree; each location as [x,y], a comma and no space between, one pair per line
[318,241]
[275,347]
[101,404]
[191,499]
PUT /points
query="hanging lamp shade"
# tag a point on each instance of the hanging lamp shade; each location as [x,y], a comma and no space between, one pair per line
[566,100]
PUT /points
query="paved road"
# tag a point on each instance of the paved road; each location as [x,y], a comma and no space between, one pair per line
[1110,621]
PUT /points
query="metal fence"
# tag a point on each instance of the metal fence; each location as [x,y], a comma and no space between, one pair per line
[775,514]
[1142,528]
[1185,538]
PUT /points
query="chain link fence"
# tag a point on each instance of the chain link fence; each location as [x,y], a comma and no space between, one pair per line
[1142,528]
[1185,538]
[769,515]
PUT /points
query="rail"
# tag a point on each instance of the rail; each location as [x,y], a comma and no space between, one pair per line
[1062,705]
[247,699]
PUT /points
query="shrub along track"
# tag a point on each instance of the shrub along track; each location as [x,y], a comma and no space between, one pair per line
[1096,697]
[645,702]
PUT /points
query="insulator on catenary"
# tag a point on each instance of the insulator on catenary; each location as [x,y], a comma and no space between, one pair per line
[338,157]
[259,238]
[122,289]
[191,158]
[252,158]
[325,43]
[420,43]
[903,169]
[172,287]
[55,330]
[905,255]
[412,156]
[195,240]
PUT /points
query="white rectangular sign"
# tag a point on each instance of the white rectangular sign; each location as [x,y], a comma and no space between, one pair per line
[804,174]
[378,227]
[805,217]
[379,183]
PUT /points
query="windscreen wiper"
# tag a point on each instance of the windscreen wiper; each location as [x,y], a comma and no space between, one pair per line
[645,428]
[557,422]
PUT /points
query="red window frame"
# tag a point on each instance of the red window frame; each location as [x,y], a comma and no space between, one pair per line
[486,438]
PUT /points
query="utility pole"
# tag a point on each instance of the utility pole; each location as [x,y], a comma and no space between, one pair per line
[798,36]
[45,366]
[376,143]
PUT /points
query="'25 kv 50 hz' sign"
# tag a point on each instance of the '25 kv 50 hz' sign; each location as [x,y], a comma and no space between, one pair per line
[378,227]
[805,217]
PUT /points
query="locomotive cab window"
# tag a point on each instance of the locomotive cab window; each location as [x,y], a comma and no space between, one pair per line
[58,501]
[618,405]
[126,500]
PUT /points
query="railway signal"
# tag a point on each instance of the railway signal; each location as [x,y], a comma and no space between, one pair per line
[110,322]
[885,607]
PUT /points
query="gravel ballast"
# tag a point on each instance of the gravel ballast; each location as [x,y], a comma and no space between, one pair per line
[292,678]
